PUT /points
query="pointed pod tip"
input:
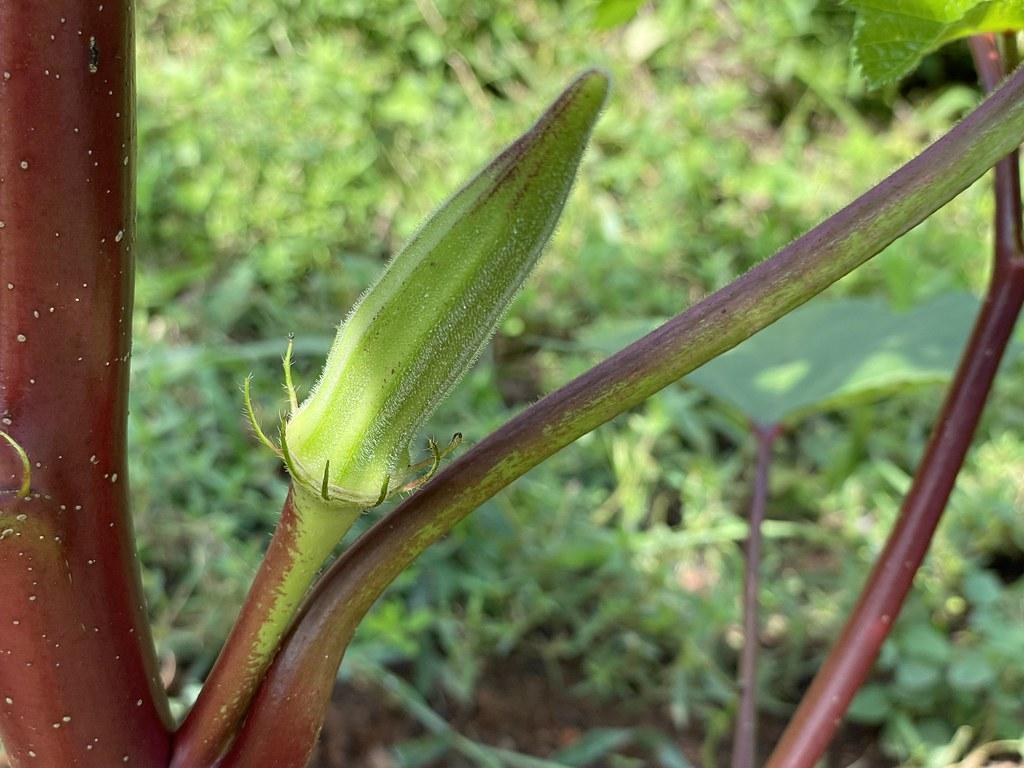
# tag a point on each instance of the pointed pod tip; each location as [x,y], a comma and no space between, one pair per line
[385,375]
[593,84]
[565,125]
[583,99]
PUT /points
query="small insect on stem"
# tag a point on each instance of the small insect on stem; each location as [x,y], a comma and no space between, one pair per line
[94,56]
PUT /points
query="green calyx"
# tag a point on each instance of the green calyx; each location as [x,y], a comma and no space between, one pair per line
[26,467]
[417,331]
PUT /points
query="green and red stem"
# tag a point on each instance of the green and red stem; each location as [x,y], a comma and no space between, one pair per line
[78,677]
[305,536]
[853,655]
[286,714]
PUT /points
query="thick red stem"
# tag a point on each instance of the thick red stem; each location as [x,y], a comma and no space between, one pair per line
[78,681]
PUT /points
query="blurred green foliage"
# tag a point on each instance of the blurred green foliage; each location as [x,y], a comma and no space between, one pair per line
[287,147]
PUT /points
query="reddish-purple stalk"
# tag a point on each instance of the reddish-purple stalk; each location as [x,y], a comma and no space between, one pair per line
[78,676]
[286,714]
[1007,223]
[854,653]
[744,746]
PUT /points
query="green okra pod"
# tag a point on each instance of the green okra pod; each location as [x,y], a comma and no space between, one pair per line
[401,350]
[415,333]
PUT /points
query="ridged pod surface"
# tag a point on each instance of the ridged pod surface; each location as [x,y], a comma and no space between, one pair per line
[420,327]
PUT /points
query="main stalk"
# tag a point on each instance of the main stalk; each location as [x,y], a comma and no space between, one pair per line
[78,682]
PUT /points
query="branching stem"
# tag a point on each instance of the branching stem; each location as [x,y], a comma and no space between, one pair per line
[285,717]
[854,653]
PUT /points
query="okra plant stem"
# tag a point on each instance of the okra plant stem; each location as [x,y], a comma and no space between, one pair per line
[79,683]
[282,723]
[407,342]
[854,652]
[305,536]
[744,745]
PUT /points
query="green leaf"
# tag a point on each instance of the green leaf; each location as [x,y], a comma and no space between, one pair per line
[925,643]
[594,745]
[614,13]
[915,676]
[828,354]
[871,705]
[982,588]
[971,672]
[892,36]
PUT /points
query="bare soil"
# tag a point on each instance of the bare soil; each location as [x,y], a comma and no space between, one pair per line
[523,710]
